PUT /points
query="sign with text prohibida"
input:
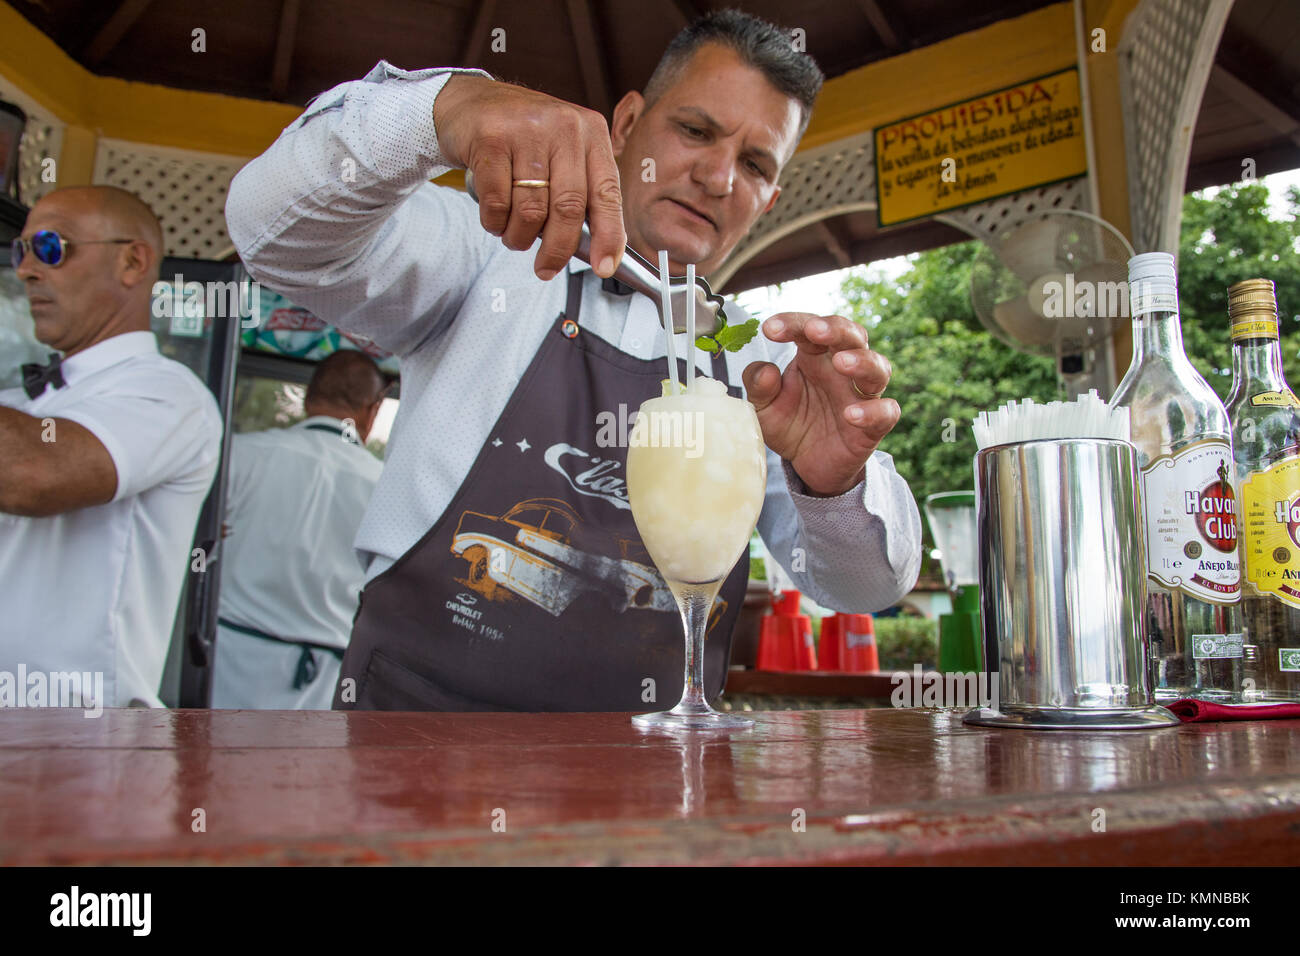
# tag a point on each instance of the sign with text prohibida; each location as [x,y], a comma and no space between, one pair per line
[997,143]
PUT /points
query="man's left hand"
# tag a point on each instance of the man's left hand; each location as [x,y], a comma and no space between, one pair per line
[811,415]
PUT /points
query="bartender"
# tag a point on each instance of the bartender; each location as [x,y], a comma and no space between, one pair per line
[107,452]
[505,571]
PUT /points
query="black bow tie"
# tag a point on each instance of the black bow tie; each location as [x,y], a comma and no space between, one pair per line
[36,377]
[614,286]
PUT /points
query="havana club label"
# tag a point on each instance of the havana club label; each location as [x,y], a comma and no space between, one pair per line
[1191,522]
[1270,530]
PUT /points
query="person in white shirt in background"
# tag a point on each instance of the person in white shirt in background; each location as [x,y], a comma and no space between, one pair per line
[106,457]
[291,579]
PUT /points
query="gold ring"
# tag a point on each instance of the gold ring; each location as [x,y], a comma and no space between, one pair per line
[532,183]
[871,397]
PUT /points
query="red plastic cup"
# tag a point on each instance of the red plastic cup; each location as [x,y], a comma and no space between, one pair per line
[828,651]
[805,647]
[786,603]
[778,638]
[858,644]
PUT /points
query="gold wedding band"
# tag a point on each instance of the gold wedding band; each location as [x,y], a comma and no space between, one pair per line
[532,183]
[871,397]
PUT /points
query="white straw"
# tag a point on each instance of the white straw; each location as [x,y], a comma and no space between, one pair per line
[1019,421]
[666,309]
[690,327]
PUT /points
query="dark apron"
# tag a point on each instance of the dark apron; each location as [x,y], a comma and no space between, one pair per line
[533,591]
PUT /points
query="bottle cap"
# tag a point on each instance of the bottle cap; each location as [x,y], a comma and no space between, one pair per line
[1252,309]
[1152,283]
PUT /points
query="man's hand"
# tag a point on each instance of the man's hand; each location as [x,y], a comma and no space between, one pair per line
[502,133]
[810,414]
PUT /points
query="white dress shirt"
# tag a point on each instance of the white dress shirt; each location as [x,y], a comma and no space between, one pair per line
[96,589]
[294,503]
[339,215]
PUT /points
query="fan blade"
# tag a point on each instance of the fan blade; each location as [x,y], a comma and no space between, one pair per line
[1018,319]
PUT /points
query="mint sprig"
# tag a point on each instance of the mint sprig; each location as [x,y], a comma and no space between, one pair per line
[730,337]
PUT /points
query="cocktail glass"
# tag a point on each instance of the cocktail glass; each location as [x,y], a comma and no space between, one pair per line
[696,473]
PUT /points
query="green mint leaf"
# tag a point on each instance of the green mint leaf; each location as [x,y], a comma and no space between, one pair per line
[735,337]
[708,343]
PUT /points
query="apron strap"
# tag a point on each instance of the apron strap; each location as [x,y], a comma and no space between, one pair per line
[573,300]
[254,632]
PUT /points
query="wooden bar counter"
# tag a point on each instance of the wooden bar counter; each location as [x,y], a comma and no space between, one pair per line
[831,786]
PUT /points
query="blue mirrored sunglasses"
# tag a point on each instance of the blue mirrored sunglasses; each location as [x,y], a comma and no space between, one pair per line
[51,248]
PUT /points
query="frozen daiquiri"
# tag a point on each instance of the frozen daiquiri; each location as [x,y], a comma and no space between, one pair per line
[696,473]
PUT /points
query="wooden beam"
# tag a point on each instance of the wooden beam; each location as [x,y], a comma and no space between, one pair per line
[591,59]
[835,241]
[1258,102]
[472,52]
[127,12]
[284,43]
[880,23]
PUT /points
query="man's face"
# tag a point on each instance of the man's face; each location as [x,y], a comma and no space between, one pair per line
[70,303]
[718,137]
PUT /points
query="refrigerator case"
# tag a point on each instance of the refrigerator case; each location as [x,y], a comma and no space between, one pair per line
[207,344]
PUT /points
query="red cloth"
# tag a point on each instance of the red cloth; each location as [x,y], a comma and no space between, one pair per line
[1189,710]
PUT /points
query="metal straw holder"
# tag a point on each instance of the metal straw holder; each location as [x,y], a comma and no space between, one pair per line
[1063,586]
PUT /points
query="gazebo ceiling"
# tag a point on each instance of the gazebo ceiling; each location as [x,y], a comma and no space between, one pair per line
[592,51]
[585,51]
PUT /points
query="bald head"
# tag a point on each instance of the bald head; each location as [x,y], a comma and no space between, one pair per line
[104,285]
[116,213]
[347,384]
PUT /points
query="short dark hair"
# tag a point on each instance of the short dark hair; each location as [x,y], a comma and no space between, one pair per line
[760,44]
[346,379]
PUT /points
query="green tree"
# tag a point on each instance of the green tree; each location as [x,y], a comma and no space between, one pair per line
[1223,240]
[947,368]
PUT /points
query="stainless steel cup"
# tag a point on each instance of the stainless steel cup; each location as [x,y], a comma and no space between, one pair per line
[1063,586]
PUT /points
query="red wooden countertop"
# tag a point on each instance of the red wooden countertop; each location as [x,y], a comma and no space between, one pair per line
[875,786]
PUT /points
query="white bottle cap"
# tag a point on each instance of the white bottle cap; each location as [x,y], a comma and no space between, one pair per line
[1152,283]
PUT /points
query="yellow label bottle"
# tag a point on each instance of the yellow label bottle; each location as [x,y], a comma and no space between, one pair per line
[1266,444]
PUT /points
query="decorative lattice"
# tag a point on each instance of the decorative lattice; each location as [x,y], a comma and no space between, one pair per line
[1165,59]
[186,190]
[822,182]
[42,140]
[995,217]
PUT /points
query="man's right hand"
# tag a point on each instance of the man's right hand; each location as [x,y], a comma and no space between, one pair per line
[502,133]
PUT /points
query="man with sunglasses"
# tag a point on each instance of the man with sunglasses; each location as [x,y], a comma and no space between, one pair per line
[106,455]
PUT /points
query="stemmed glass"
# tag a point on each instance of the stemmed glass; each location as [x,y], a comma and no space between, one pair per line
[696,472]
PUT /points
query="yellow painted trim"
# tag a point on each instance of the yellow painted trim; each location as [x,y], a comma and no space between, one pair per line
[139,112]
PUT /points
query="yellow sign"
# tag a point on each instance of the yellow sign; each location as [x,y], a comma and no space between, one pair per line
[1015,138]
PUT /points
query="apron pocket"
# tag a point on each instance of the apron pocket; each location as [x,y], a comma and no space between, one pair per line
[388,685]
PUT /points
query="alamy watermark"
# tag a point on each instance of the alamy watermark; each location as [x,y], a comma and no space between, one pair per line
[84,689]
[935,689]
[653,429]
[179,300]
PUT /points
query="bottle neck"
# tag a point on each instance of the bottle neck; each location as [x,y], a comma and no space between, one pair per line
[1258,361]
[1158,334]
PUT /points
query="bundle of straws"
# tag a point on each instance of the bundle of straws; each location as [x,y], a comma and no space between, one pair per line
[1086,417]
[666,310]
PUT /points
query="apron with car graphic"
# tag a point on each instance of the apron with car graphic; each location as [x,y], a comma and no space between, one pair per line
[533,591]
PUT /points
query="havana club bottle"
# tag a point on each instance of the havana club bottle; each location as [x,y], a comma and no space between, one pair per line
[1184,451]
[1266,442]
